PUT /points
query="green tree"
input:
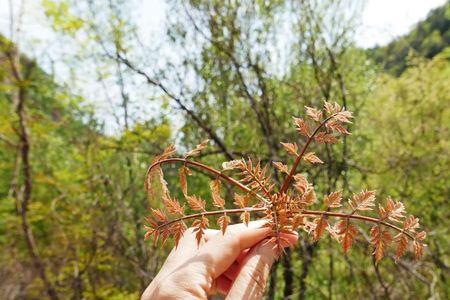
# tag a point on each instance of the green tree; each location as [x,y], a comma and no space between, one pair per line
[403,150]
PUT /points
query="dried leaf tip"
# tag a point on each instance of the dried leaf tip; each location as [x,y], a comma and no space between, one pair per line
[197,150]
[168,152]
[231,165]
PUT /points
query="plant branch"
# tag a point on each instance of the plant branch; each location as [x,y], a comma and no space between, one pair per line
[288,179]
[210,170]
[303,212]
[211,213]
[197,119]
[258,181]
[357,217]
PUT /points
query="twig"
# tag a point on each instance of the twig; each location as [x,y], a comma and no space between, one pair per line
[288,179]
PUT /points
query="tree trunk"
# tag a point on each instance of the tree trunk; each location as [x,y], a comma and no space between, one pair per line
[24,148]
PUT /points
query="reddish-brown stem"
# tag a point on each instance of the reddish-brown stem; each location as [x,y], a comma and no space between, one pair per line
[303,212]
[210,170]
[357,217]
[211,213]
[263,188]
[288,179]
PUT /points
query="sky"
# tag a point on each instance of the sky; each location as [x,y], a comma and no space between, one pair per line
[382,20]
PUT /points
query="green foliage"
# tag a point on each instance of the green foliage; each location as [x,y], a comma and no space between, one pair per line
[86,200]
[62,17]
[404,145]
[406,121]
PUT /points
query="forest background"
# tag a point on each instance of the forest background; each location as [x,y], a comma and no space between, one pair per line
[72,201]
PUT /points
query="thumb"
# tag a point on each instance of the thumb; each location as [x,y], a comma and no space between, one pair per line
[251,281]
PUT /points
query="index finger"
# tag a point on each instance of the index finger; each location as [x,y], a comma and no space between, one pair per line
[222,250]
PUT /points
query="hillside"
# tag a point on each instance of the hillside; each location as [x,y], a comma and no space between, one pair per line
[428,38]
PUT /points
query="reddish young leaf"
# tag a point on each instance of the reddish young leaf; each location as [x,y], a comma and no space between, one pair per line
[159,215]
[312,158]
[245,217]
[331,108]
[362,201]
[380,238]
[149,231]
[325,138]
[164,235]
[281,167]
[255,177]
[232,164]
[302,126]
[291,148]
[168,152]
[348,232]
[177,229]
[421,235]
[196,151]
[200,225]
[337,127]
[309,197]
[333,231]
[218,201]
[402,245]
[183,173]
[196,203]
[297,221]
[393,211]
[241,201]
[333,200]
[149,181]
[344,116]
[418,249]
[301,184]
[321,225]
[173,206]
[314,113]
[223,222]
[411,224]
[152,222]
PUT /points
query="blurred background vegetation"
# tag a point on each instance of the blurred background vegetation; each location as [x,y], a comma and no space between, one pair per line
[72,203]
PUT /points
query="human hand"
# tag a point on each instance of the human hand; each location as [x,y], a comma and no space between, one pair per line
[236,264]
